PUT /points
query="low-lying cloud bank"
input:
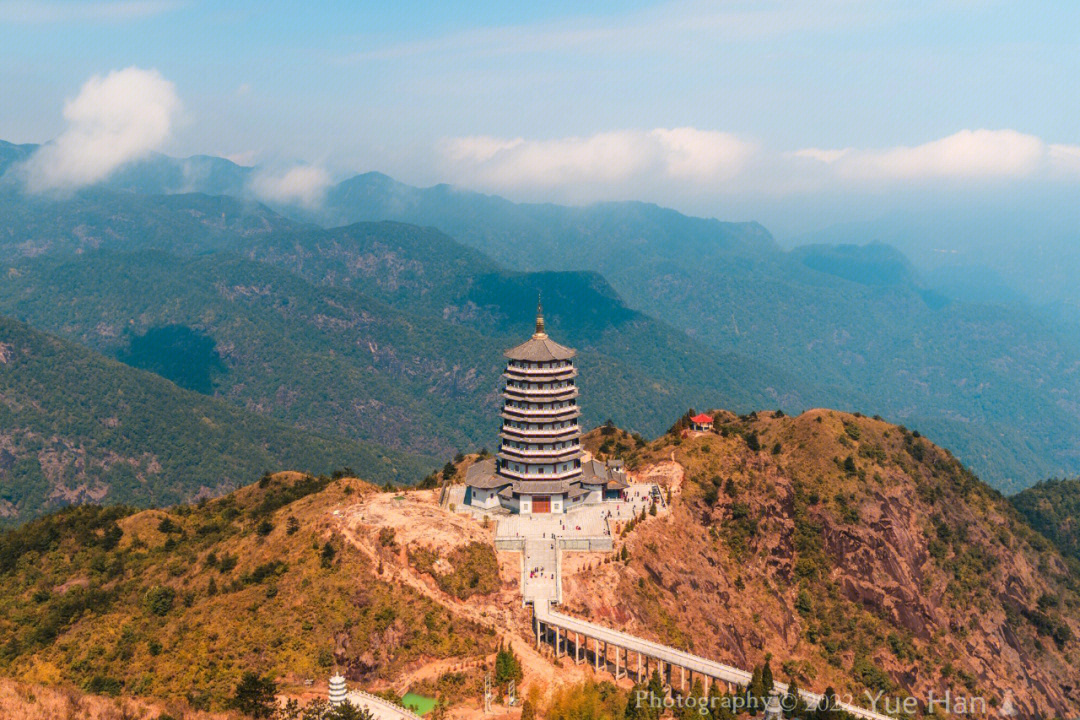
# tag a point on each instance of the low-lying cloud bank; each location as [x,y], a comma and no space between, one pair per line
[968,154]
[114,120]
[606,158]
[124,116]
[690,161]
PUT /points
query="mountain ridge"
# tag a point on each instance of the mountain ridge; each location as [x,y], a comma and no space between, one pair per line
[772,548]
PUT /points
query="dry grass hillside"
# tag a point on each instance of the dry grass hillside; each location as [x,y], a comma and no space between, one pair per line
[23,701]
[178,604]
[854,552]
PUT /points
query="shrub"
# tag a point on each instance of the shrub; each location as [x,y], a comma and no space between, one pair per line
[159,600]
[326,557]
[804,603]
[103,685]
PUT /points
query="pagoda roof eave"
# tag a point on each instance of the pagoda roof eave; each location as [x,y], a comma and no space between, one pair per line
[540,349]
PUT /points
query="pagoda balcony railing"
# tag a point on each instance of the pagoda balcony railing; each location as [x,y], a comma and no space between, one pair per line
[545,405]
[542,386]
[536,414]
[542,374]
[538,434]
[507,472]
[563,393]
[561,453]
[542,404]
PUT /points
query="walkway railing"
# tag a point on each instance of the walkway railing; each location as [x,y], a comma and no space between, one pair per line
[383,709]
[543,613]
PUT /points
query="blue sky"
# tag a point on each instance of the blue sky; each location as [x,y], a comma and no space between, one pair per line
[725,108]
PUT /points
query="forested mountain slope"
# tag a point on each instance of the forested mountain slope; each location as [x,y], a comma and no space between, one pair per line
[78,427]
[380,331]
[1053,508]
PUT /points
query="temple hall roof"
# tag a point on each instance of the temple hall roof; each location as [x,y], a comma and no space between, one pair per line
[595,472]
[482,475]
[576,491]
[541,487]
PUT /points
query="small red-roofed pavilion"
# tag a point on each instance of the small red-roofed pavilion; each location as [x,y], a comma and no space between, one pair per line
[702,422]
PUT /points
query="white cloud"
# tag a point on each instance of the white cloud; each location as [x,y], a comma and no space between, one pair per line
[701,154]
[688,167]
[968,154]
[114,119]
[610,160]
[302,185]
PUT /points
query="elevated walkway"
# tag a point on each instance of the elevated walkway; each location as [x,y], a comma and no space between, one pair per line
[379,708]
[570,635]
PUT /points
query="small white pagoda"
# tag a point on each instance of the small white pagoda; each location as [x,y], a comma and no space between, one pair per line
[540,466]
[338,691]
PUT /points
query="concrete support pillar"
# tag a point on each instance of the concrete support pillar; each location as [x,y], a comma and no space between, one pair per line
[577,648]
[536,626]
[682,671]
[639,666]
[596,654]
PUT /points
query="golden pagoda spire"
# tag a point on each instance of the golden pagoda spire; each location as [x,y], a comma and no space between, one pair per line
[539,319]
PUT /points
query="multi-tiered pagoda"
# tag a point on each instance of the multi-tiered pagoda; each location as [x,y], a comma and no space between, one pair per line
[540,466]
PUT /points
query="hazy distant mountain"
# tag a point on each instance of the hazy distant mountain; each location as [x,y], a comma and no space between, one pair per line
[852,325]
[999,248]
[10,154]
[993,382]
[158,174]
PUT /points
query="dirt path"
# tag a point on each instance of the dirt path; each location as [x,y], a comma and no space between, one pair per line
[418,519]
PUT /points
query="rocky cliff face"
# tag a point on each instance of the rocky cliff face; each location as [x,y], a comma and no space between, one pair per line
[856,553]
